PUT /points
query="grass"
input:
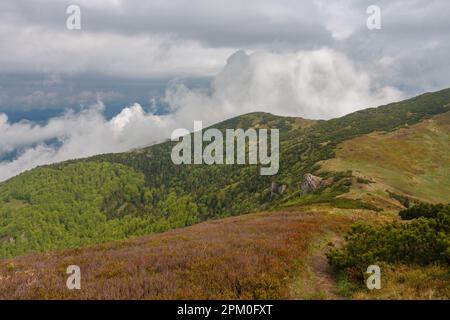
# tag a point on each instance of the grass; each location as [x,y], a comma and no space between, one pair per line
[268,255]
[255,256]
[403,282]
[316,281]
[244,258]
[411,161]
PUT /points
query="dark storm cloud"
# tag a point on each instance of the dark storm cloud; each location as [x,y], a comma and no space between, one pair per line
[164,39]
[213,22]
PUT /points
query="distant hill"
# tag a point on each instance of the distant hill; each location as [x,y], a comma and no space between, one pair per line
[116,196]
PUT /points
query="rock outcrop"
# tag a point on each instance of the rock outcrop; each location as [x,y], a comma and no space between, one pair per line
[311,183]
[277,188]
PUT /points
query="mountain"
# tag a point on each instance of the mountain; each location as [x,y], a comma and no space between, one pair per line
[363,167]
[116,196]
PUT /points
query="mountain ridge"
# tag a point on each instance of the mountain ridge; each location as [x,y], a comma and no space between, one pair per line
[142,191]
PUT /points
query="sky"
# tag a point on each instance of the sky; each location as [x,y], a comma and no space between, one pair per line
[137,70]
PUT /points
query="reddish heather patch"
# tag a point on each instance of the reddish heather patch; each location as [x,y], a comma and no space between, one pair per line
[246,257]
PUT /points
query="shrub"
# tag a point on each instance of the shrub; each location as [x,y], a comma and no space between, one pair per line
[425,210]
[423,241]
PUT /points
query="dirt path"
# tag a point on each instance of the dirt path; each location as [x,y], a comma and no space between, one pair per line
[324,279]
[316,280]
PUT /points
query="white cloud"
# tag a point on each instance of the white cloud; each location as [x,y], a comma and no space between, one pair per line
[79,135]
[311,84]
[340,18]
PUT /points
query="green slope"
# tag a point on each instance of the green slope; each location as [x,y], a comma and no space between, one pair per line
[114,196]
[82,203]
[413,161]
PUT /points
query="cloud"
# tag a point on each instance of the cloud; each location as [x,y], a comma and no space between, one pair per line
[42,50]
[79,135]
[163,39]
[313,59]
[214,23]
[312,84]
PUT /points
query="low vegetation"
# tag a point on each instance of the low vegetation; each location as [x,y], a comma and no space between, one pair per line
[255,256]
[421,239]
[410,163]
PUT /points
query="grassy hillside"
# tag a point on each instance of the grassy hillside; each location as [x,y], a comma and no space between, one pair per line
[268,255]
[115,196]
[257,256]
[413,161]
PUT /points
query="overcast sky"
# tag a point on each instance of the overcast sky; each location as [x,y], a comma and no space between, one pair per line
[201,60]
[125,41]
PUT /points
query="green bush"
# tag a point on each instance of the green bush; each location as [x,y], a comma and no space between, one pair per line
[423,241]
[425,210]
